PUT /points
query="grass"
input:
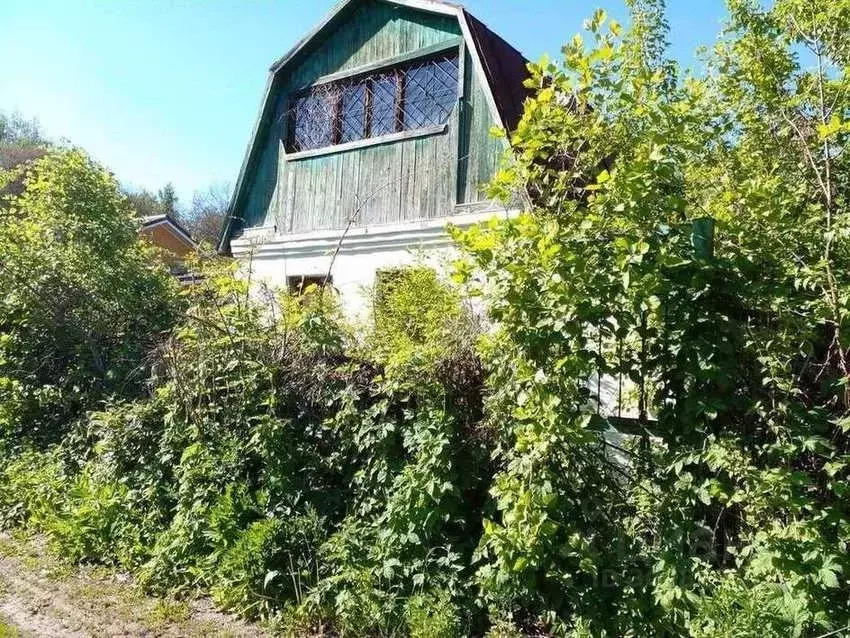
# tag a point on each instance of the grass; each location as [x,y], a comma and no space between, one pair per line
[6,630]
[8,548]
[102,598]
[167,612]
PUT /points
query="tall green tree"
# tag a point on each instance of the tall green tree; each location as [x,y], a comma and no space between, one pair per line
[80,302]
[168,200]
[205,217]
[16,129]
[21,141]
[726,512]
[143,203]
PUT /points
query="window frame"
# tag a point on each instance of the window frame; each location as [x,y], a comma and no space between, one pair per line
[454,47]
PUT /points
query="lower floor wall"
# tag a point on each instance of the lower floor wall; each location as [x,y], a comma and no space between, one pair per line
[353,258]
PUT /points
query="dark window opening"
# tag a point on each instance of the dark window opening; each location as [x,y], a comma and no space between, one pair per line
[408,98]
[299,284]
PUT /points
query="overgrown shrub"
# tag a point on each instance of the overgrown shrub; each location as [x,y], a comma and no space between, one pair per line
[433,615]
[32,488]
[726,513]
[80,302]
[272,562]
[98,520]
[420,467]
[277,466]
[424,479]
[244,391]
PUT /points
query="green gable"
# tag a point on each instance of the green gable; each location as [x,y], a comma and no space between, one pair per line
[370,32]
[416,176]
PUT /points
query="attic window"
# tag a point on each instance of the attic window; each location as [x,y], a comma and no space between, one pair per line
[405,98]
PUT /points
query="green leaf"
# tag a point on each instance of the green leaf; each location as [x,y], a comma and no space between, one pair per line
[829,578]
[270,576]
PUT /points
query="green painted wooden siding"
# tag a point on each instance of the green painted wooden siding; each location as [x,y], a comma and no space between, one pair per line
[480,152]
[421,178]
[375,31]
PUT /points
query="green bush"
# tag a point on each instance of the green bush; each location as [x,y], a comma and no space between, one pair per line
[433,615]
[33,487]
[80,302]
[417,321]
[278,467]
[419,478]
[736,608]
[418,462]
[272,561]
[98,521]
[725,511]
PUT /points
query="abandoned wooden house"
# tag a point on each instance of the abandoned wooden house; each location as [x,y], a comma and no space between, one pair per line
[374,132]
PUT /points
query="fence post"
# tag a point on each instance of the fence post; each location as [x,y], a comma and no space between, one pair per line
[702,237]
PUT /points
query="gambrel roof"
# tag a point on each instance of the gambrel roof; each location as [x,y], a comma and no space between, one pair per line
[501,70]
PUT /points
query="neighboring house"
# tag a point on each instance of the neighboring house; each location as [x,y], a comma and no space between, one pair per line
[164,232]
[374,132]
[173,241]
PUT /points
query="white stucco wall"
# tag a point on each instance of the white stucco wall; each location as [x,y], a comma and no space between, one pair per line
[361,253]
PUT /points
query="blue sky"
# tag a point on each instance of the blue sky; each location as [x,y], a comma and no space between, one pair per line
[167,90]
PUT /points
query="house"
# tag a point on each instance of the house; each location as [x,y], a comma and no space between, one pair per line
[374,132]
[173,241]
[166,233]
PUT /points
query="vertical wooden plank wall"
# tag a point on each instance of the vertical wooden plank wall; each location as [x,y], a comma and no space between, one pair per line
[422,178]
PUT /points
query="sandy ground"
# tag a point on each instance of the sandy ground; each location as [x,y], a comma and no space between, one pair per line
[40,596]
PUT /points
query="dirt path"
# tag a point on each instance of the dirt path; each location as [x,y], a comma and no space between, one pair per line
[42,597]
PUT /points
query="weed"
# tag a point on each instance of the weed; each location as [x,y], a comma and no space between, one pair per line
[7,631]
[8,547]
[433,616]
[57,570]
[167,611]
